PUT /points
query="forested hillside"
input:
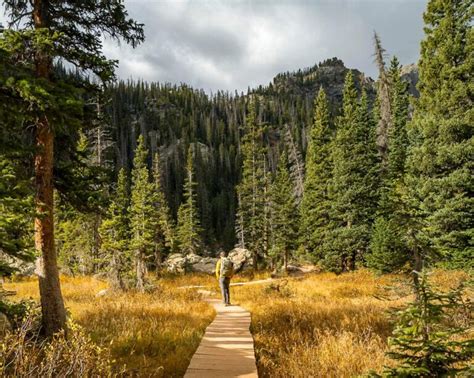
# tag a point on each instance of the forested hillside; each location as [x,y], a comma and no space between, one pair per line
[173,117]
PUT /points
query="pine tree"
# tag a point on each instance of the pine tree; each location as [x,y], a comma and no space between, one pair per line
[440,159]
[251,190]
[397,133]
[426,341]
[16,194]
[115,233]
[76,228]
[388,247]
[188,232]
[142,220]
[71,32]
[315,205]
[164,231]
[354,185]
[388,252]
[284,213]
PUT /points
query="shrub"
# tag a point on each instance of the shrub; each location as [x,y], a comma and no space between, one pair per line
[23,353]
[16,311]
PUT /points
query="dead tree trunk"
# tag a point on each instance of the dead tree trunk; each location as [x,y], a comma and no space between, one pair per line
[52,305]
[383,94]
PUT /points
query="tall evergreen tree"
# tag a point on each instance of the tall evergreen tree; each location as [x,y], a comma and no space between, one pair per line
[76,228]
[142,215]
[16,195]
[251,190]
[71,32]
[164,231]
[353,188]
[388,249]
[315,206]
[284,213]
[188,232]
[439,179]
[397,134]
[115,233]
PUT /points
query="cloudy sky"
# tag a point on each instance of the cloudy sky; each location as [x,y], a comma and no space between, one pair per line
[234,44]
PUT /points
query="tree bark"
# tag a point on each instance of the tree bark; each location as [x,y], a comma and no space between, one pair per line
[417,264]
[352,264]
[52,305]
[140,271]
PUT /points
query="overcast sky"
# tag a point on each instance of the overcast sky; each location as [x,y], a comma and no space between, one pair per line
[234,44]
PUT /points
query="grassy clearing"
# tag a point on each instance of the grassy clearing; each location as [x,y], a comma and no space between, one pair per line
[152,334]
[326,325]
[321,325]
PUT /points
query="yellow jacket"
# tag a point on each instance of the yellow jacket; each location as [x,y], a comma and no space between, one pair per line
[218,269]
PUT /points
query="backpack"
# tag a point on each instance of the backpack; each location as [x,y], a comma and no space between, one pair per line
[227,267]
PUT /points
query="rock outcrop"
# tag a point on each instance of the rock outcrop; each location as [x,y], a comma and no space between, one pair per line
[179,263]
[329,74]
[409,73]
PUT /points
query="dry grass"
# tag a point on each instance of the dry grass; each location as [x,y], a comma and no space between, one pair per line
[326,325]
[322,325]
[153,334]
[24,354]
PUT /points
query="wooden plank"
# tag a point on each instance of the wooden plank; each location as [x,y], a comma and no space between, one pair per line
[226,349]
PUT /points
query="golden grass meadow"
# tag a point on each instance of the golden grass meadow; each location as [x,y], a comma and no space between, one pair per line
[319,325]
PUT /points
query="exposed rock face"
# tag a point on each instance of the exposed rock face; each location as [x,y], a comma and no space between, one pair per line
[178,263]
[409,73]
[329,74]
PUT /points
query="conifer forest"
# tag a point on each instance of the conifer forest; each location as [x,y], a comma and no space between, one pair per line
[345,203]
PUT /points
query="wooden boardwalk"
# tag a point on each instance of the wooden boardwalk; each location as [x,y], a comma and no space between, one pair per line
[226,350]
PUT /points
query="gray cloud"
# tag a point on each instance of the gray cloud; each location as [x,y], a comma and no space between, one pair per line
[230,45]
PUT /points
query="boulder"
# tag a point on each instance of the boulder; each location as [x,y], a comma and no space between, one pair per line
[193,259]
[175,263]
[205,265]
[21,268]
[241,258]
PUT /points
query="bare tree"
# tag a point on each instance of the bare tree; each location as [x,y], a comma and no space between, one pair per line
[383,98]
[296,164]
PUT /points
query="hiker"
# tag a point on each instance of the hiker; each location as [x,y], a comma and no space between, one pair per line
[224,272]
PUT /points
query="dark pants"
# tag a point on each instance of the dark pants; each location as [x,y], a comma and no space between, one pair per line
[224,283]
